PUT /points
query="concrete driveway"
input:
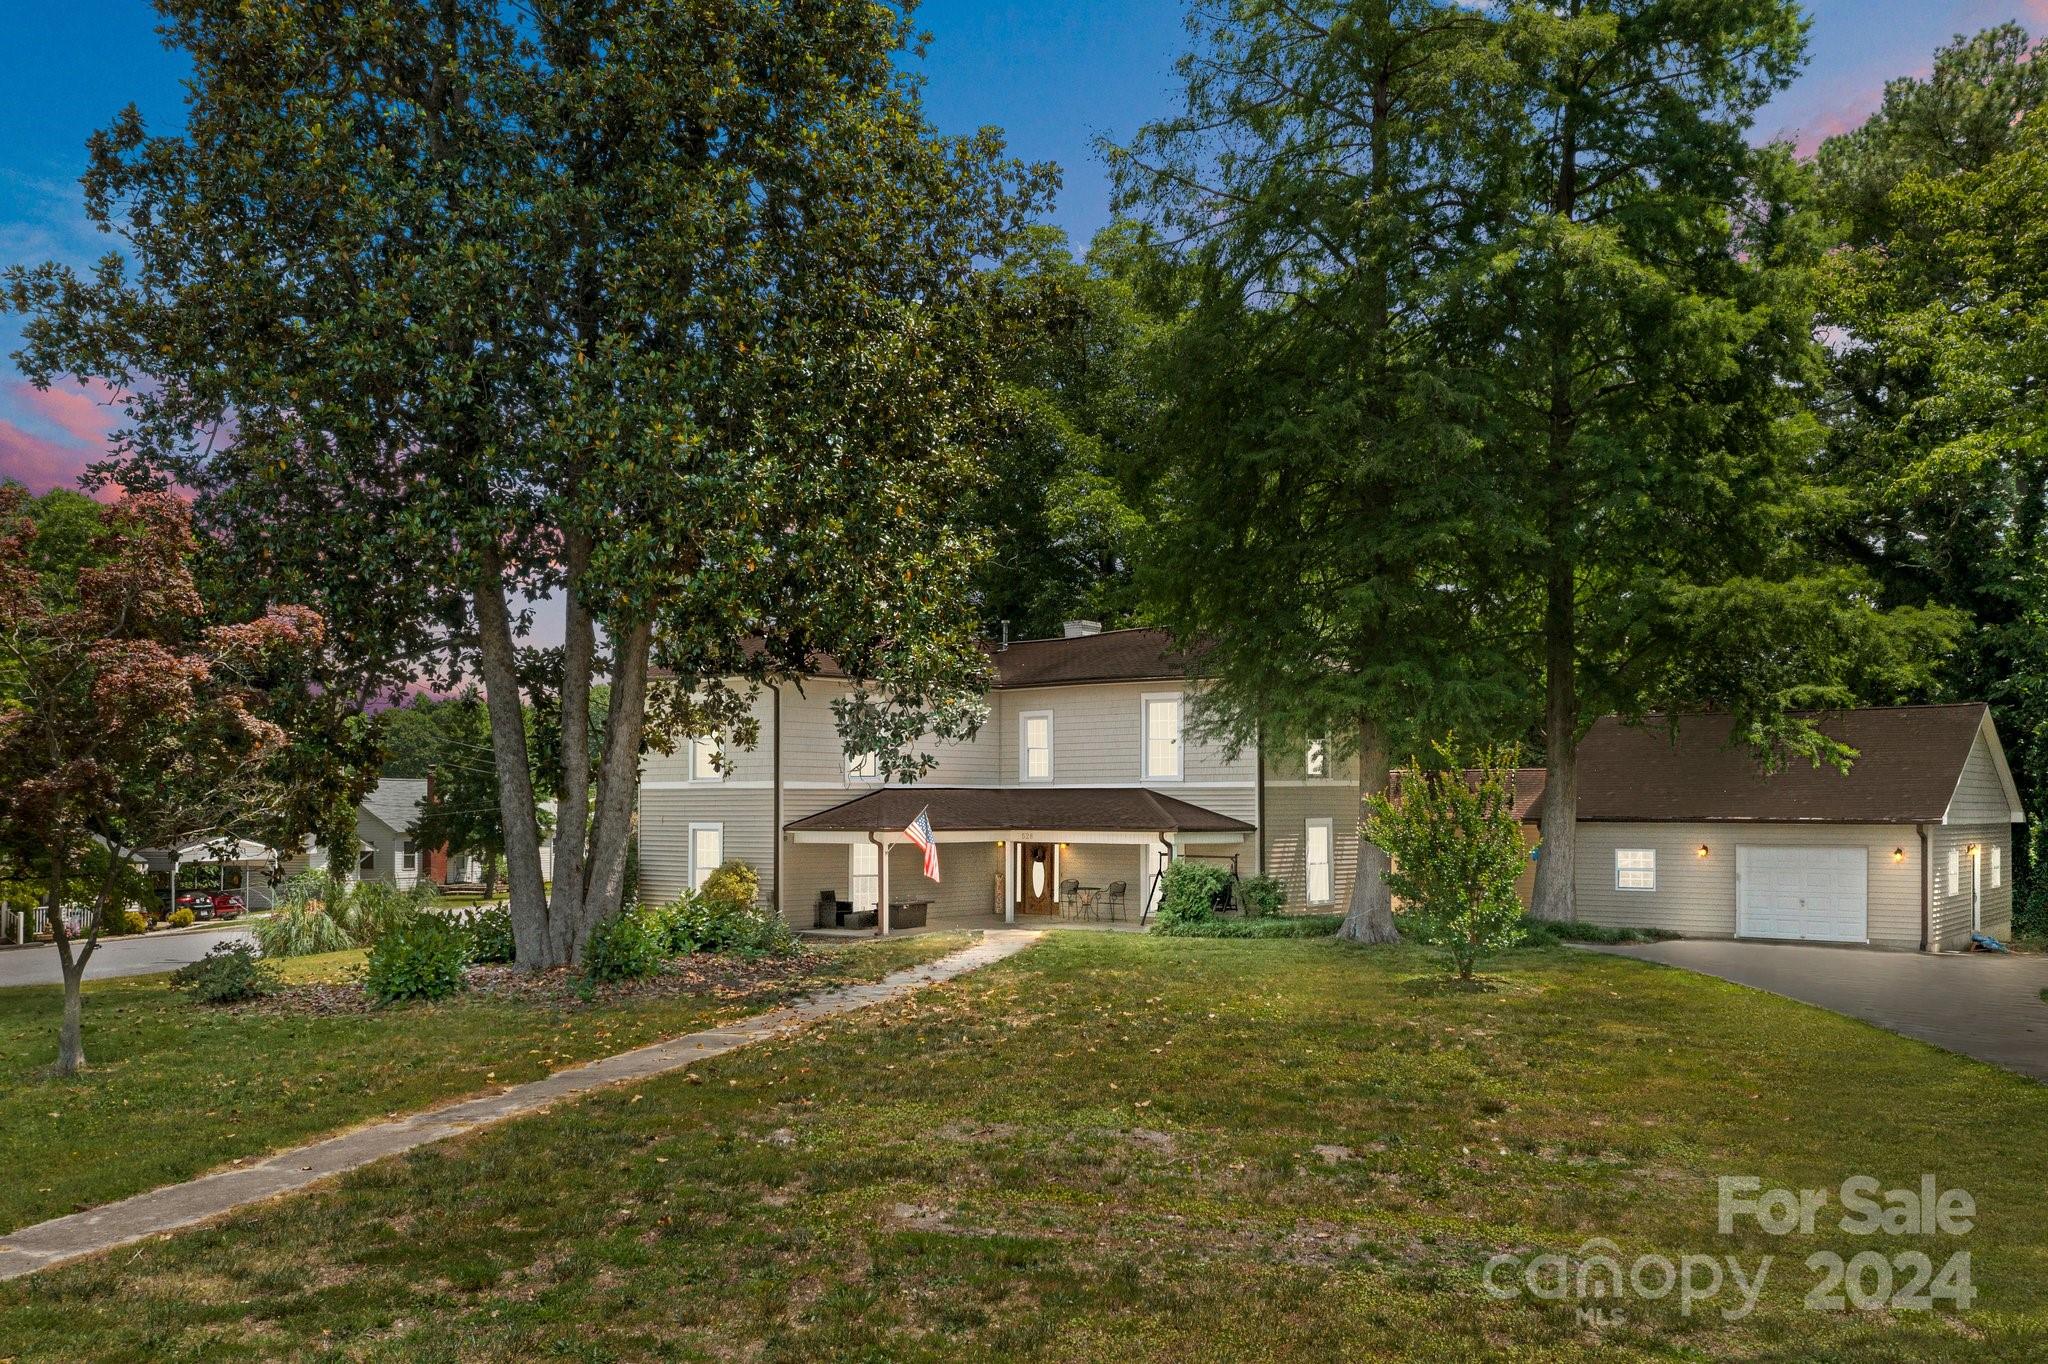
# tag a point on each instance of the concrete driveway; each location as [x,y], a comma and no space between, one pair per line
[1980,1004]
[136,956]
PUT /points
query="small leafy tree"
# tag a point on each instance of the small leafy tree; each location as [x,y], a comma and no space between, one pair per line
[128,720]
[1457,850]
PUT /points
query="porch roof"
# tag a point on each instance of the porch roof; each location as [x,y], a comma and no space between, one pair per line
[1115,809]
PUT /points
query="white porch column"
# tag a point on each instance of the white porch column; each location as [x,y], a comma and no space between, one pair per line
[1014,851]
[881,885]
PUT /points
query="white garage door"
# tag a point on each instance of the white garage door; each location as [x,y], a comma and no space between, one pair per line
[1822,894]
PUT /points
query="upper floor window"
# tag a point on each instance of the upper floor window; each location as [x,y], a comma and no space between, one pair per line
[1162,738]
[1034,746]
[1635,868]
[1318,764]
[704,760]
[864,767]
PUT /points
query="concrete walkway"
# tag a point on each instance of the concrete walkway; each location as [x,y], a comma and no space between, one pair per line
[209,1196]
[1977,1003]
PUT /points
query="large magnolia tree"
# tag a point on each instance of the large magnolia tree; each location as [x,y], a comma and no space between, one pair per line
[128,721]
[668,309]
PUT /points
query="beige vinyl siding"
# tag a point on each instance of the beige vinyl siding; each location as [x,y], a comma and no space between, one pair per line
[966,891]
[1695,896]
[748,820]
[813,754]
[1980,795]
[1952,907]
[1291,802]
[1097,737]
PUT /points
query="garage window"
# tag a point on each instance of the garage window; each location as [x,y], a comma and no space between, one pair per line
[1635,868]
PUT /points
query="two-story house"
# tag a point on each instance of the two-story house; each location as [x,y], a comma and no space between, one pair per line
[1088,773]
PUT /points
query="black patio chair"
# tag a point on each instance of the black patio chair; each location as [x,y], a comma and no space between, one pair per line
[1070,895]
[1113,899]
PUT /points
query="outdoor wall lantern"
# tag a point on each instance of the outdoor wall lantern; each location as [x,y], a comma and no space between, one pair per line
[1898,854]
[1703,850]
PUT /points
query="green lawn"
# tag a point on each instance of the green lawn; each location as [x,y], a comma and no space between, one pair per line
[1107,1148]
[175,1088]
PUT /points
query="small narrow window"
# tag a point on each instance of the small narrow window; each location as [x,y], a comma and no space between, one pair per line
[1316,859]
[1997,869]
[704,760]
[412,856]
[1635,868]
[864,767]
[1034,746]
[368,861]
[707,850]
[1955,870]
[1318,765]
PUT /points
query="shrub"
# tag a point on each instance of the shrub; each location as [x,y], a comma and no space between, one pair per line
[422,957]
[1265,926]
[299,930]
[182,918]
[369,910]
[1262,895]
[630,945]
[1457,851]
[134,921]
[733,883]
[229,974]
[1189,892]
[700,923]
[490,934]
[1547,932]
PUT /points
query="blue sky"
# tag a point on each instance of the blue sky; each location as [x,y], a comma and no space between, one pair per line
[1055,74]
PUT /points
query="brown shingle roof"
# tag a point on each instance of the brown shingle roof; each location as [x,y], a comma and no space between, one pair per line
[1123,809]
[1910,760]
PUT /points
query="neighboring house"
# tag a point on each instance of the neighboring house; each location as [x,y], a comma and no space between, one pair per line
[1910,848]
[1087,770]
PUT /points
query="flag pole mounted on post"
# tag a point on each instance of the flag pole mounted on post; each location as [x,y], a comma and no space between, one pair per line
[919,831]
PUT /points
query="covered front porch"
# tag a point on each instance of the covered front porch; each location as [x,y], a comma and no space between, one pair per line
[1006,857]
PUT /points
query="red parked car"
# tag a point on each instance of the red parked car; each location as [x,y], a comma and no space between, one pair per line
[206,904]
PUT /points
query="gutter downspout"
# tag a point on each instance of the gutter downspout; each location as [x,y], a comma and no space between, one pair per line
[775,840]
[1929,942]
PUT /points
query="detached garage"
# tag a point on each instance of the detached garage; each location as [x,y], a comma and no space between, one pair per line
[1911,848]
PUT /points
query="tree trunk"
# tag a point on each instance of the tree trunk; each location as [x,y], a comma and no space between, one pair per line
[618,778]
[1553,897]
[535,946]
[1370,917]
[572,789]
[71,1035]
[490,874]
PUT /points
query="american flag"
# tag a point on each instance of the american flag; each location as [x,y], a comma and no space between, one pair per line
[920,833]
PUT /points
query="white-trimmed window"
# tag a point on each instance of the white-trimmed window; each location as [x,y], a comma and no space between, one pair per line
[704,760]
[412,856]
[1635,868]
[864,767]
[864,876]
[1162,737]
[1997,868]
[1316,861]
[707,850]
[1034,746]
[1317,764]
[368,861]
[1955,871]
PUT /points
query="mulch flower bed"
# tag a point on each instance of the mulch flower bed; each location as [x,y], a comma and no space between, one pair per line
[704,974]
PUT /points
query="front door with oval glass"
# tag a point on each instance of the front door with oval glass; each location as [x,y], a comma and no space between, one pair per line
[1037,893]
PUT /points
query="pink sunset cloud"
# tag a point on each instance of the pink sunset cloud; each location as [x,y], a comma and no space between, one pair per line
[39,463]
[81,410]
